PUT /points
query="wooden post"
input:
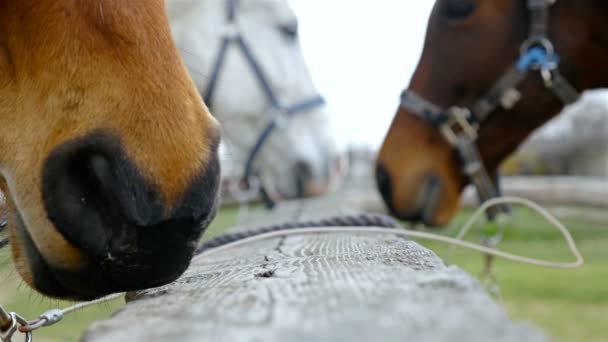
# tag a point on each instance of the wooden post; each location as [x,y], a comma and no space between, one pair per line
[324,287]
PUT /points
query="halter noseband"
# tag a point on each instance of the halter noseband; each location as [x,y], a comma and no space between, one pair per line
[3,242]
[460,126]
[279,111]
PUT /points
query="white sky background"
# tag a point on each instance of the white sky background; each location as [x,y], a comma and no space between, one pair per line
[361,54]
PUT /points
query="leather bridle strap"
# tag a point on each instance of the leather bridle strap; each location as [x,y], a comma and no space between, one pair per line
[279,111]
[459,129]
[3,224]
[459,126]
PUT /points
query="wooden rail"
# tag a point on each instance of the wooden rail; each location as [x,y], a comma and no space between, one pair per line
[324,287]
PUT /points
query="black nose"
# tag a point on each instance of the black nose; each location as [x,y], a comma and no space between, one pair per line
[100,202]
[383,181]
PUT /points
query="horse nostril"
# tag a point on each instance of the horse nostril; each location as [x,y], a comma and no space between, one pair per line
[91,193]
[101,172]
[383,181]
[103,205]
[303,177]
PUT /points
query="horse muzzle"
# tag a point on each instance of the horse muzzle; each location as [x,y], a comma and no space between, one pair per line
[102,205]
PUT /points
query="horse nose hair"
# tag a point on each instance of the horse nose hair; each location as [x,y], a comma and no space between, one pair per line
[384,183]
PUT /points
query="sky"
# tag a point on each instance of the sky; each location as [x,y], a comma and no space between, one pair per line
[361,54]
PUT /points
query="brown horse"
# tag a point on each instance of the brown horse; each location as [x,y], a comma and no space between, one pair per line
[108,154]
[470,45]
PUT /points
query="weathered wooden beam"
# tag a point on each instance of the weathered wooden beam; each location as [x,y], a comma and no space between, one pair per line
[324,287]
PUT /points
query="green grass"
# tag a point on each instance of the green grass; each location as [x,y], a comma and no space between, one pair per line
[571,305]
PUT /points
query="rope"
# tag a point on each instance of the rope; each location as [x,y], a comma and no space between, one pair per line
[52,317]
[377,224]
[520,201]
[341,222]
[579,260]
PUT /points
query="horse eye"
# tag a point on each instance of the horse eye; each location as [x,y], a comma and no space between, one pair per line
[290,30]
[458,9]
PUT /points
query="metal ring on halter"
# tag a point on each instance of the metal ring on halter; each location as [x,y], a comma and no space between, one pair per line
[7,335]
[538,41]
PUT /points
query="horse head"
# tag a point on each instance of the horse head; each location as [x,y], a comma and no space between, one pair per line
[470,45]
[246,59]
[108,155]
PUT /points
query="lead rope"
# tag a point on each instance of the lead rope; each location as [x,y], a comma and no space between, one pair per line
[11,323]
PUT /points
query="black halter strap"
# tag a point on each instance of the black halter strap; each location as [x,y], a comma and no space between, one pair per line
[3,242]
[460,126]
[279,111]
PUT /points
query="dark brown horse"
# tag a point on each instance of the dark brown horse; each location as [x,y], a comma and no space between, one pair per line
[470,46]
[108,156]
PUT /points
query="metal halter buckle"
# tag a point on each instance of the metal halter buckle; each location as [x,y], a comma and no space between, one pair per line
[458,125]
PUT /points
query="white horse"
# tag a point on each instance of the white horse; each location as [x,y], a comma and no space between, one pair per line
[245,58]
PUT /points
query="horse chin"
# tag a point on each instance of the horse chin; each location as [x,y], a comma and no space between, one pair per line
[32,267]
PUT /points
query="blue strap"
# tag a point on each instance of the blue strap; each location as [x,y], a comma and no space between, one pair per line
[215,74]
[231,11]
[537,57]
[307,105]
[257,148]
[259,73]
[298,108]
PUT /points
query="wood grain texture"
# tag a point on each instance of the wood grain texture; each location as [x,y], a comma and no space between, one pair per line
[325,287]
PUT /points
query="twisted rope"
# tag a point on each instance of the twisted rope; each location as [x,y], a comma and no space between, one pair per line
[349,221]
